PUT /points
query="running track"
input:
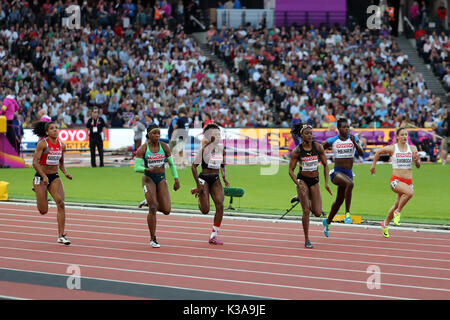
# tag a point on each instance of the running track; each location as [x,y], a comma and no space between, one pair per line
[260,258]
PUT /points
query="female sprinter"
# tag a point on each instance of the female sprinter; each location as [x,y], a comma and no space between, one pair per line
[48,156]
[211,156]
[308,154]
[150,160]
[403,156]
[343,146]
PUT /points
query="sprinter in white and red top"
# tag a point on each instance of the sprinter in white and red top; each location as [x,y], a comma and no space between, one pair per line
[49,155]
[403,156]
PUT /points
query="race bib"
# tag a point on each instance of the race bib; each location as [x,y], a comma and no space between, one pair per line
[310,163]
[155,160]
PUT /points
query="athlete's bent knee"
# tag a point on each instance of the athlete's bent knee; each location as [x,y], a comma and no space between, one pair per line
[153,206]
[165,211]
[317,213]
[43,211]
[60,203]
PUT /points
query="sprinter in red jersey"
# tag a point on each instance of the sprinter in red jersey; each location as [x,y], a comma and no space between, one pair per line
[49,155]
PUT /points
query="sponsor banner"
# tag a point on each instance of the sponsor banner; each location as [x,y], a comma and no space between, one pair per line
[243,142]
[74,139]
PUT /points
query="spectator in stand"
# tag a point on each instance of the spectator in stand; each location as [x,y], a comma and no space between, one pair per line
[414,14]
[228,4]
[441,13]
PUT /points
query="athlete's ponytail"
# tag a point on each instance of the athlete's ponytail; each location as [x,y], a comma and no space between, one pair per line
[40,128]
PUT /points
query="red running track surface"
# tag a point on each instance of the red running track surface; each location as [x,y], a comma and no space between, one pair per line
[260,259]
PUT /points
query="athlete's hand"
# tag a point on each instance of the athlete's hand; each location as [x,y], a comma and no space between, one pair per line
[328,189]
[45,180]
[68,176]
[416,157]
[372,170]
[176,185]
[227,184]
[352,138]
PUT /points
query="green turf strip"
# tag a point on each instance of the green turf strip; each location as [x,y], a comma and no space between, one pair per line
[268,194]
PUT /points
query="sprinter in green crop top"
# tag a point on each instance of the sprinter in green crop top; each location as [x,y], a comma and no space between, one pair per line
[150,160]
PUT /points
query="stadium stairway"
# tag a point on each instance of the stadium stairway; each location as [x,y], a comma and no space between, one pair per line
[200,37]
[432,82]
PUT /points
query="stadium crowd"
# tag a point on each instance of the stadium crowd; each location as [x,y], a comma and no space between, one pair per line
[320,75]
[131,59]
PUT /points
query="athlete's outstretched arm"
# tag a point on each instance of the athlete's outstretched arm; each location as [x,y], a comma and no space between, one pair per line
[173,168]
[385,150]
[37,155]
[357,146]
[138,166]
[292,165]
[195,164]
[223,171]
[323,159]
[61,163]
[416,157]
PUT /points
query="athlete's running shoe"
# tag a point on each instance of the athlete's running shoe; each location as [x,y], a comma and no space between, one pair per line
[348,218]
[294,199]
[216,241]
[308,245]
[326,227]
[154,243]
[385,230]
[142,203]
[63,240]
[397,218]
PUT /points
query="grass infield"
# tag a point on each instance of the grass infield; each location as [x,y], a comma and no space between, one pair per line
[268,194]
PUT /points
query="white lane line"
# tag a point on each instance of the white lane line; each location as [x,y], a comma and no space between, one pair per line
[246,271]
[275,235]
[243,239]
[237,218]
[209,256]
[240,282]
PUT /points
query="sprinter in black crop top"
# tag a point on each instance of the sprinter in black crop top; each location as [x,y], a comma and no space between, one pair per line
[308,154]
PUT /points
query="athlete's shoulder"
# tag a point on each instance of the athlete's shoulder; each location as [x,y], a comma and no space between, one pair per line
[41,144]
[165,147]
[332,140]
[413,148]
[319,146]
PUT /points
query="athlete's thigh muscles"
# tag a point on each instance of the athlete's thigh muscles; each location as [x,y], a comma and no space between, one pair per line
[56,189]
[303,194]
[216,191]
[401,187]
[41,194]
[316,199]
[149,189]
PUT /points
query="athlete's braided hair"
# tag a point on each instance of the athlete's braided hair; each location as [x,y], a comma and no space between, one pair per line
[298,128]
